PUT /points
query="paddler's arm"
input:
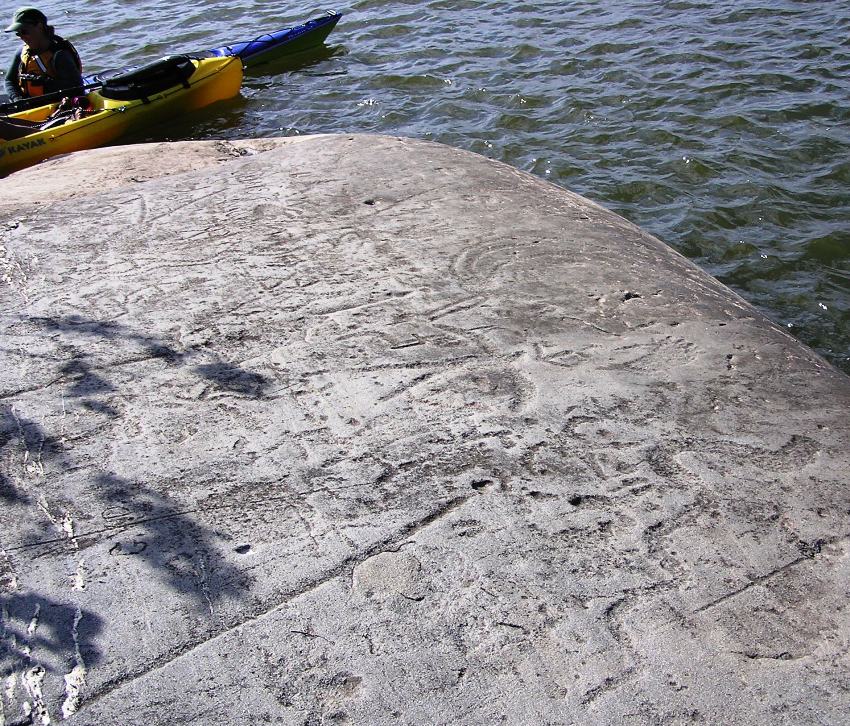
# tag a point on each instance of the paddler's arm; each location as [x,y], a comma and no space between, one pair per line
[67,73]
[12,89]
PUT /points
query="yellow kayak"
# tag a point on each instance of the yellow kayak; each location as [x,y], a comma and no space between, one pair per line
[149,95]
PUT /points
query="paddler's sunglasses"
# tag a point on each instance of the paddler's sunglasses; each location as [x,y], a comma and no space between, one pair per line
[24,31]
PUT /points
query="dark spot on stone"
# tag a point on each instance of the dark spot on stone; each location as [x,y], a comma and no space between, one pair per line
[384,476]
[630,296]
[541,495]
[136,547]
[810,549]
[481,483]
[576,500]
[370,202]
[231,378]
[242,549]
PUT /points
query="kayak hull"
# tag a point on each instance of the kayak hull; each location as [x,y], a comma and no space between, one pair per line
[271,47]
[265,48]
[214,79]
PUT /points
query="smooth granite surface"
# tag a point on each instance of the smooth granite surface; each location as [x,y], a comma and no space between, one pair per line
[368,430]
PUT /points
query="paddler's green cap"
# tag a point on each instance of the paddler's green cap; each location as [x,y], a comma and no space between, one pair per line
[25,16]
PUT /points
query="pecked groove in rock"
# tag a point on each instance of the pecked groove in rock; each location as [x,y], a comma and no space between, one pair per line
[370,429]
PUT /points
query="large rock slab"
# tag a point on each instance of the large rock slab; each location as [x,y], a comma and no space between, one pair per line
[370,430]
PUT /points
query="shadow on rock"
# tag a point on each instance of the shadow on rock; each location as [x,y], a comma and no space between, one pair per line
[233,379]
[9,494]
[100,407]
[39,632]
[108,330]
[177,548]
[142,522]
[84,381]
[22,442]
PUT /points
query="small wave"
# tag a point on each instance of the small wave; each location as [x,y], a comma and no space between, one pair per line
[830,249]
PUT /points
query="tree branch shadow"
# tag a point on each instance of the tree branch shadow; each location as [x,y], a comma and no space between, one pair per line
[173,544]
[41,636]
[233,379]
[171,541]
[56,631]
[18,431]
[85,382]
[108,330]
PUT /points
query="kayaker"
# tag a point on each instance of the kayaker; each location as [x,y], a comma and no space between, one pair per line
[46,63]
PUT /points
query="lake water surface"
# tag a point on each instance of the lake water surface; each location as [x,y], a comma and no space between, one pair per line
[722,128]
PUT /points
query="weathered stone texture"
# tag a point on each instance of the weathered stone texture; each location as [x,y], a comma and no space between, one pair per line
[369,430]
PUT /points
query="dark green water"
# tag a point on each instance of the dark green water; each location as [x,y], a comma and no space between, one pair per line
[722,128]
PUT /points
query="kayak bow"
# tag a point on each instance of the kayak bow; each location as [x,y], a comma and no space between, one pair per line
[288,41]
[264,48]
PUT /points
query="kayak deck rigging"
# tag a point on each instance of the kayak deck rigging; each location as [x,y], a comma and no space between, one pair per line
[155,93]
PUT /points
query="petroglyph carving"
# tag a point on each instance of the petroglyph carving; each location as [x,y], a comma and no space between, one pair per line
[450,442]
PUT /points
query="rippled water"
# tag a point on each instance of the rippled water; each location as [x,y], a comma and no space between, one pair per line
[722,128]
